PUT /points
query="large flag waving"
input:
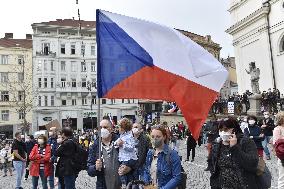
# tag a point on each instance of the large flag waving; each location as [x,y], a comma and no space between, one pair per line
[144,60]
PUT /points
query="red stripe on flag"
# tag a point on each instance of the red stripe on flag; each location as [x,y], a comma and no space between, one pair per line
[154,83]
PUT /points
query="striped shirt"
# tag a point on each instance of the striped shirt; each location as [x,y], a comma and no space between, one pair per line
[41,151]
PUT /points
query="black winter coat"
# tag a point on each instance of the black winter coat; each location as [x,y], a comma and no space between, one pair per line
[244,154]
[65,152]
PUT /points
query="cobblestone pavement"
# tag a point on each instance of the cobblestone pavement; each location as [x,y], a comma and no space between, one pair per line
[197,178]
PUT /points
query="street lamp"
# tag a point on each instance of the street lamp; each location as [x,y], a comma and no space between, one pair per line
[89,87]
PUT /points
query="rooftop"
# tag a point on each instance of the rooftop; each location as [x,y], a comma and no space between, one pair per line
[22,43]
[68,22]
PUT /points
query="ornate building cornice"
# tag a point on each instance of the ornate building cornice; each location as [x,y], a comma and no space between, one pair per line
[256,15]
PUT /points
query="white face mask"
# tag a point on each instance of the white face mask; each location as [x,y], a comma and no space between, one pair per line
[251,122]
[105,133]
[50,133]
[245,120]
[225,136]
[266,116]
[59,140]
[40,141]
[135,130]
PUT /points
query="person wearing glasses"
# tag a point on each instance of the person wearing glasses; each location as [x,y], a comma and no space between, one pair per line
[163,165]
[234,159]
[267,126]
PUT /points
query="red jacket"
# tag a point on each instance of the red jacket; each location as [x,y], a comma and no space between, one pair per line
[36,159]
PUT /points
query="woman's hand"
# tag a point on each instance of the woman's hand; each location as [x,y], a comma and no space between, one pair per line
[99,165]
[233,140]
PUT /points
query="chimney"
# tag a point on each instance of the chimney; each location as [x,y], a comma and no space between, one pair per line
[29,36]
[8,36]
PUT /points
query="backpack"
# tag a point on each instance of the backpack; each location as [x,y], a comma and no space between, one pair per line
[262,174]
[79,159]
[279,147]
[183,173]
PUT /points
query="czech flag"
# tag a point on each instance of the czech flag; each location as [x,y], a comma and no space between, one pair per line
[143,60]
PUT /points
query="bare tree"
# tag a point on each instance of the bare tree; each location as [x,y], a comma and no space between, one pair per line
[20,87]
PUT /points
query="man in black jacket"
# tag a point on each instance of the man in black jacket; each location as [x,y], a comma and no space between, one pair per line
[267,126]
[64,169]
[143,146]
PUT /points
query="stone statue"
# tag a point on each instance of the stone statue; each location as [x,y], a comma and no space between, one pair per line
[254,77]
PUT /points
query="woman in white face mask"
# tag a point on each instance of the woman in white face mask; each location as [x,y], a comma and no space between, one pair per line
[233,158]
[254,132]
[40,162]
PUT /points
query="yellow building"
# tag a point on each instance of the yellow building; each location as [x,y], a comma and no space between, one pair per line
[15,84]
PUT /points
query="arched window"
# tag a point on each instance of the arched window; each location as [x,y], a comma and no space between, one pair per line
[282,44]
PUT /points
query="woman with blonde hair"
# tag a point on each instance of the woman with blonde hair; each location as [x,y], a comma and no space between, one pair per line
[278,133]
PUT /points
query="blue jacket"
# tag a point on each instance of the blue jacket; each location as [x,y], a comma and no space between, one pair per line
[254,131]
[53,143]
[168,169]
[91,164]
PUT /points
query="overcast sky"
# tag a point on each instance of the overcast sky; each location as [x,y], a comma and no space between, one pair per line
[204,17]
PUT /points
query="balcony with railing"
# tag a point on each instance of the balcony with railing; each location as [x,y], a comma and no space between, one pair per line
[46,53]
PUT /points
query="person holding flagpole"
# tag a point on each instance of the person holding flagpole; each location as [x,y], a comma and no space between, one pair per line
[107,165]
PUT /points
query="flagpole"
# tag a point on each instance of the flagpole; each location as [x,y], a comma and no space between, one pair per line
[99,128]
[98,85]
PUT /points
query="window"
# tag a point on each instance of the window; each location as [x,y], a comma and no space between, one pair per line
[94,99]
[128,101]
[20,95]
[63,82]
[52,100]
[83,50]
[51,82]
[112,101]
[4,59]
[73,51]
[84,82]
[20,60]
[84,101]
[93,50]
[93,66]
[83,67]
[21,114]
[51,66]
[5,115]
[94,83]
[62,48]
[63,65]
[39,100]
[45,101]
[73,82]
[63,102]
[74,102]
[44,65]
[4,96]
[4,77]
[45,82]
[46,48]
[39,66]
[122,101]
[73,66]
[39,82]
[21,77]
[103,101]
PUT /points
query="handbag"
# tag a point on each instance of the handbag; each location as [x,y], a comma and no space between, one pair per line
[279,147]
[260,166]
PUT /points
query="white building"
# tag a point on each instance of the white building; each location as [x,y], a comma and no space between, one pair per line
[258,36]
[64,76]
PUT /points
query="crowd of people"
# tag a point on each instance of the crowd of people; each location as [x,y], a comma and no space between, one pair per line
[129,155]
[132,155]
[271,101]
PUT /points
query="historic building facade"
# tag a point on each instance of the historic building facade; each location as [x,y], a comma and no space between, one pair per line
[15,84]
[64,75]
[258,36]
